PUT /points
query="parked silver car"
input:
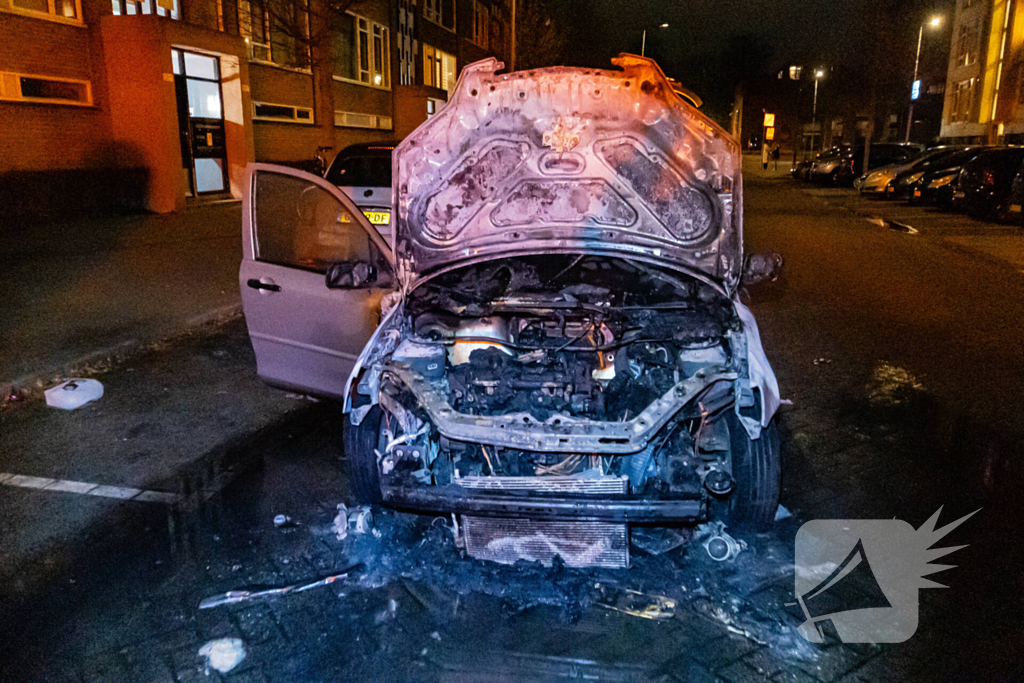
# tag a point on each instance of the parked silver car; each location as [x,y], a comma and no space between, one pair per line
[562,350]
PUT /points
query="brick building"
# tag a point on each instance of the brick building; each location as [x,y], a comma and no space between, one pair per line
[984,98]
[148,104]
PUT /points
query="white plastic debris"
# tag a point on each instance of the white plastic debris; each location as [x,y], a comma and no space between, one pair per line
[360,519]
[73,393]
[340,525]
[223,654]
[782,513]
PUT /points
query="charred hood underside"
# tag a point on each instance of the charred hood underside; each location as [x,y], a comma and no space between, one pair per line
[563,160]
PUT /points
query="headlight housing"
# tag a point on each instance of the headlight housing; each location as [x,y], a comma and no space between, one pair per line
[913,178]
[943,181]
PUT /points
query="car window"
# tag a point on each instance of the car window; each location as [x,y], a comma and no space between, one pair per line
[303,226]
[361,171]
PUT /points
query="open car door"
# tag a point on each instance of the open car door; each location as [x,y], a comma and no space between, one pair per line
[312,277]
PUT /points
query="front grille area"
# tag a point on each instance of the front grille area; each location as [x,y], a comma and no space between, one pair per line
[588,486]
[578,543]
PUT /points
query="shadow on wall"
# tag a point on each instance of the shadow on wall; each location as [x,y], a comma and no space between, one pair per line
[115,180]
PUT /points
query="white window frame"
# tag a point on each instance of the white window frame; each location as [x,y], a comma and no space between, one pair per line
[120,7]
[10,89]
[481,24]
[280,119]
[355,119]
[364,26]
[245,30]
[50,15]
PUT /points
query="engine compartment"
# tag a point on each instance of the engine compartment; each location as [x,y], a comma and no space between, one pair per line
[564,345]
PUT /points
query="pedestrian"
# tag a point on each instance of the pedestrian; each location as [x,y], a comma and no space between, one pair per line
[765,153]
[776,153]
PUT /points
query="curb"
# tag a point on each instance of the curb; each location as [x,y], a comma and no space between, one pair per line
[22,387]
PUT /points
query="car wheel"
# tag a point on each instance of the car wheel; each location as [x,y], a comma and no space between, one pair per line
[360,442]
[757,476]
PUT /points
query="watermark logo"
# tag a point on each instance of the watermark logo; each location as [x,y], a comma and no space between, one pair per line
[857,580]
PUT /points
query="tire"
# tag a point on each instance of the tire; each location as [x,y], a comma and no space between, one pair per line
[757,476]
[359,443]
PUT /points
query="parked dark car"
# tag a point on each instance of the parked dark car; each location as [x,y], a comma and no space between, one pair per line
[904,183]
[842,168]
[802,169]
[985,182]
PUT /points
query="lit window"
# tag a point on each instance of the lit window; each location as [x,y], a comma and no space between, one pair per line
[794,72]
[363,52]
[161,8]
[438,69]
[44,89]
[65,10]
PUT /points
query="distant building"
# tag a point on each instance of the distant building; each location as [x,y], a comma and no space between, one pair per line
[149,104]
[984,98]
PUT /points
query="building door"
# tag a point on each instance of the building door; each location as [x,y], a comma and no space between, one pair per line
[200,122]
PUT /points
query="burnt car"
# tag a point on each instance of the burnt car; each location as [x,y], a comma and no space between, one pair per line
[563,352]
[983,188]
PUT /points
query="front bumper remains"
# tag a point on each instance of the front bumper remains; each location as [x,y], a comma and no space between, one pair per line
[455,499]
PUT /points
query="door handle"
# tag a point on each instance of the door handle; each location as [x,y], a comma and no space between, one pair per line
[256,284]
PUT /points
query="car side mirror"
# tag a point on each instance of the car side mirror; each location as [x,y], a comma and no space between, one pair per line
[350,275]
[761,267]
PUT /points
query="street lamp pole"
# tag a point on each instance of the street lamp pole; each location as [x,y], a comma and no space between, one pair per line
[818,73]
[643,41]
[934,23]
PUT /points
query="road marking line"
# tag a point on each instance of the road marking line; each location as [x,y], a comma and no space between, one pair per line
[85,488]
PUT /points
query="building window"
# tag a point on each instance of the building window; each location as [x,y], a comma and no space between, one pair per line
[60,10]
[440,12]
[352,119]
[407,45]
[438,69]
[44,89]
[963,100]
[795,72]
[277,34]
[264,111]
[161,8]
[967,44]
[481,22]
[362,52]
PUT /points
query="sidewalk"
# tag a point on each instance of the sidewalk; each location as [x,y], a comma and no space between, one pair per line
[78,290]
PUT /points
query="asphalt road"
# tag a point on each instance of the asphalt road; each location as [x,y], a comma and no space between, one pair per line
[900,356]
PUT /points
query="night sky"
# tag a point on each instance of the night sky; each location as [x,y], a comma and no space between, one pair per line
[708,41]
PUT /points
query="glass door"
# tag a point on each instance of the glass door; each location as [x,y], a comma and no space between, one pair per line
[200,122]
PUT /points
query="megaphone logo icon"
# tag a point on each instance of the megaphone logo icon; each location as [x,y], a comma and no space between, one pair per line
[857,580]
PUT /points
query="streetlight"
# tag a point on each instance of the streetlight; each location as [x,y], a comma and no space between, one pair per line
[818,74]
[934,22]
[643,43]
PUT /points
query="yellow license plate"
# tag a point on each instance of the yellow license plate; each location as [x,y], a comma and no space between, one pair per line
[917,193]
[375,217]
[378,217]
[890,189]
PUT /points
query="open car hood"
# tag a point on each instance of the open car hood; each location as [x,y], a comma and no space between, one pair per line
[569,160]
